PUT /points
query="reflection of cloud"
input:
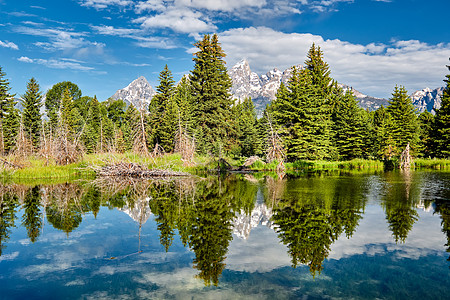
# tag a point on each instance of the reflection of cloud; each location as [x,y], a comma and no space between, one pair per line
[261,252]
[373,237]
[75,282]
[11,256]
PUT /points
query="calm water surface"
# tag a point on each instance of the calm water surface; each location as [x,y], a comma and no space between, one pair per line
[367,236]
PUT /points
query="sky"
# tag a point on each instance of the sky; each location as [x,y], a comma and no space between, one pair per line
[103,45]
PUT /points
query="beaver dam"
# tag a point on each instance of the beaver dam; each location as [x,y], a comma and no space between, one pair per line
[134,170]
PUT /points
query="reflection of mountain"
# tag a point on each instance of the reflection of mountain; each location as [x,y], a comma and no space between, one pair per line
[243,223]
[140,211]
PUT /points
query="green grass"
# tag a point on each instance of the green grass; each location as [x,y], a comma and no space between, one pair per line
[355,164]
[37,169]
[427,163]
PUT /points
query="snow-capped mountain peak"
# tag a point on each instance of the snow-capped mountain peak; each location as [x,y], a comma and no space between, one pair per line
[137,92]
[427,99]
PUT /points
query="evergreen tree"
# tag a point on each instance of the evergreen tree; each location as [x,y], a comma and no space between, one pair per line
[54,96]
[4,93]
[302,112]
[32,217]
[426,145]
[31,116]
[383,143]
[115,110]
[248,142]
[8,208]
[163,112]
[212,100]
[92,129]
[405,125]
[9,118]
[129,125]
[184,102]
[442,123]
[349,127]
[319,71]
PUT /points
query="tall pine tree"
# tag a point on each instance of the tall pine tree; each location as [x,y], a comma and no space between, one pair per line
[9,116]
[349,127]
[442,123]
[31,116]
[163,112]
[212,99]
[405,125]
[302,112]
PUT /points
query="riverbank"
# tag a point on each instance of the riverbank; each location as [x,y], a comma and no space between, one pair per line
[39,168]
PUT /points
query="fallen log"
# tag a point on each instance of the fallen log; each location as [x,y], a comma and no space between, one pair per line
[134,170]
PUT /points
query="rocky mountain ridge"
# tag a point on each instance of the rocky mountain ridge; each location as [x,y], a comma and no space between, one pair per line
[263,88]
[139,92]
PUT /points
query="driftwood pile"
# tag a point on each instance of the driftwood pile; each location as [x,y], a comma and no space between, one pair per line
[251,160]
[134,170]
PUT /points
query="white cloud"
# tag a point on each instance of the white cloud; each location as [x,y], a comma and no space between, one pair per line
[59,39]
[71,43]
[179,20]
[150,5]
[101,4]
[138,35]
[63,63]
[374,69]
[25,59]
[110,30]
[224,5]
[7,44]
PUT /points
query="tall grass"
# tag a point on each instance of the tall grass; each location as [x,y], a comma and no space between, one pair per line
[426,163]
[355,164]
[37,168]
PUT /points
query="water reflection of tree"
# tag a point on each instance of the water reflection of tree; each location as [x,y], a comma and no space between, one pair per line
[399,202]
[32,218]
[64,210]
[8,207]
[442,207]
[312,213]
[202,211]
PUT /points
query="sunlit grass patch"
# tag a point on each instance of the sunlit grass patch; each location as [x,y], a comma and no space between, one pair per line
[435,163]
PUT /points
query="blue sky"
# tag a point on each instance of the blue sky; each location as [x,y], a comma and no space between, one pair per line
[102,45]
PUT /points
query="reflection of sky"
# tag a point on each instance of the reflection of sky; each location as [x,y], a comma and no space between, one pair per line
[373,237]
[99,260]
[262,251]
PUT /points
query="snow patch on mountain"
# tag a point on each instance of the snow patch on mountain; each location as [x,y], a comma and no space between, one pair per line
[139,92]
[427,99]
[243,223]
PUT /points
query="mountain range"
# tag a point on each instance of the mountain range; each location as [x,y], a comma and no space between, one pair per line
[263,88]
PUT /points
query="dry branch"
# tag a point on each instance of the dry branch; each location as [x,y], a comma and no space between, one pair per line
[134,170]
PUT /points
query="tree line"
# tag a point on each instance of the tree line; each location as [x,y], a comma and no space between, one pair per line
[312,116]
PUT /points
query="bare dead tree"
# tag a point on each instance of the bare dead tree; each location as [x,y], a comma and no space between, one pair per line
[141,135]
[47,144]
[67,148]
[405,158]
[24,146]
[2,141]
[184,144]
[275,149]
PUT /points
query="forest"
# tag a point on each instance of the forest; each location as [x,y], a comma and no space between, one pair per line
[312,118]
